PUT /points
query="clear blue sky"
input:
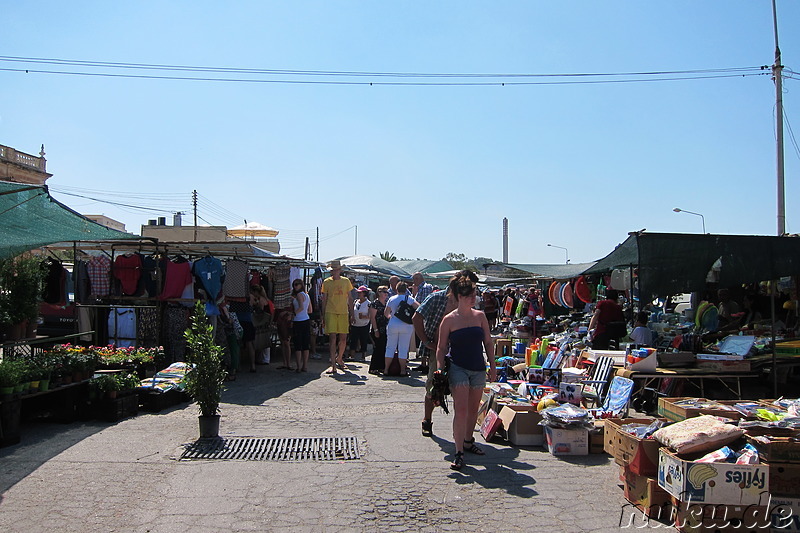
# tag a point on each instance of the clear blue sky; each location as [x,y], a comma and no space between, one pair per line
[422,170]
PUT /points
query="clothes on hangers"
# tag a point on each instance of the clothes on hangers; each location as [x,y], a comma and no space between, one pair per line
[99,269]
[282,287]
[128,270]
[54,291]
[122,327]
[236,284]
[177,277]
[208,271]
[80,277]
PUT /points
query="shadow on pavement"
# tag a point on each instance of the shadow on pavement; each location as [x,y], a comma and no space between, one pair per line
[41,441]
[498,469]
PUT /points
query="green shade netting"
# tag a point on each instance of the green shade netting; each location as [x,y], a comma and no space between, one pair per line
[30,218]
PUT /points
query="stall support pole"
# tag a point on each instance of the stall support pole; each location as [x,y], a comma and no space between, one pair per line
[774,357]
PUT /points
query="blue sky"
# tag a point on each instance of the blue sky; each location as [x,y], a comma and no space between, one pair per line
[422,170]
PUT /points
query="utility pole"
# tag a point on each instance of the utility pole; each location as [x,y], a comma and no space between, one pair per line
[777,73]
[306,251]
[355,246]
[194,205]
[317,244]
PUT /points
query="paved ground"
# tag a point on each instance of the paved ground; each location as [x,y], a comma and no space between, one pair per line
[127,476]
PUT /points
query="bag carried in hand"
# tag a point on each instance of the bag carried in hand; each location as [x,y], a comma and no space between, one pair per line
[394,367]
[405,311]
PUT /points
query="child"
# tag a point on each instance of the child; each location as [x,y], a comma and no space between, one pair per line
[641,334]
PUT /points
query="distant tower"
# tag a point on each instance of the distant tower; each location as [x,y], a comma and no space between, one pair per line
[505,240]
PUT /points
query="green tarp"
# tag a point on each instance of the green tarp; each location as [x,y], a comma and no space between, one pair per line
[30,218]
[671,263]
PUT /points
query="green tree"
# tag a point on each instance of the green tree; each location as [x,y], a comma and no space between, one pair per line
[388,256]
[459,261]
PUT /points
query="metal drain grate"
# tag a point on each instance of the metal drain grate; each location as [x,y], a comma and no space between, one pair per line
[284,449]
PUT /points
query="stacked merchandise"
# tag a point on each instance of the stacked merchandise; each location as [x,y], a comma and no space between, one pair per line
[712,473]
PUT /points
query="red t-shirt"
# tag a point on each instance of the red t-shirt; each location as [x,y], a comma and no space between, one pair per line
[610,311]
[128,270]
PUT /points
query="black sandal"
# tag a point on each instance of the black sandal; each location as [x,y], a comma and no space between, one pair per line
[471,447]
[427,428]
[458,462]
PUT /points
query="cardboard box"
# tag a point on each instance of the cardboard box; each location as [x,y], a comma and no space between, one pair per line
[668,409]
[567,441]
[706,518]
[596,437]
[724,366]
[522,425]
[648,364]
[777,449]
[784,480]
[712,483]
[785,515]
[640,455]
[490,425]
[646,495]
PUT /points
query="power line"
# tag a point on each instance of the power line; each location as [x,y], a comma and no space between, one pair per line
[345,73]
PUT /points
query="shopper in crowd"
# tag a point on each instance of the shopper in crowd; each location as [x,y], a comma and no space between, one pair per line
[490,307]
[398,333]
[420,290]
[608,322]
[301,324]
[337,308]
[378,321]
[244,313]
[359,329]
[393,281]
[427,319]
[465,333]
[641,334]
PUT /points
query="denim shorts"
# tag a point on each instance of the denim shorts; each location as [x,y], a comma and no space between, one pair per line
[459,377]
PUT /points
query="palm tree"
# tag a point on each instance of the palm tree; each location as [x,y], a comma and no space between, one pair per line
[388,256]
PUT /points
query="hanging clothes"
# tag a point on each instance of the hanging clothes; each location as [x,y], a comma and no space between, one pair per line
[147,327]
[208,271]
[99,268]
[151,274]
[295,273]
[80,277]
[236,284]
[128,270]
[122,327]
[54,282]
[283,287]
[177,277]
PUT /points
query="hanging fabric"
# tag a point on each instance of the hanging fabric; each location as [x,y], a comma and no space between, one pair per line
[122,327]
[128,270]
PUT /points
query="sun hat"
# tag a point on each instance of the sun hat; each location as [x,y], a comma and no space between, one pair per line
[363,288]
[334,264]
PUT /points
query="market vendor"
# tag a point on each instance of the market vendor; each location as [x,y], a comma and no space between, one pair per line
[608,322]
[727,309]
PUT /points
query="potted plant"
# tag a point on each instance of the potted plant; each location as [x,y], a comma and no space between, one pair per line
[205,380]
[127,381]
[9,377]
[21,280]
[107,385]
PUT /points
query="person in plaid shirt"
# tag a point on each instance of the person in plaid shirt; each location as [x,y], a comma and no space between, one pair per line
[420,290]
[427,319]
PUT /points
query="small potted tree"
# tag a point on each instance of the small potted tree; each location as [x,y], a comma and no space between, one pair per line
[21,280]
[205,380]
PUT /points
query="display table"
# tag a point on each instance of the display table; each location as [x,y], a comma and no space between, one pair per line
[653,380]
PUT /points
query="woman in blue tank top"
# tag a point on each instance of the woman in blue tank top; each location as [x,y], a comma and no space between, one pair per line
[465,332]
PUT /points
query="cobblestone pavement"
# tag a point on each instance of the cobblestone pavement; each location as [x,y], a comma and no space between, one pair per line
[128,477]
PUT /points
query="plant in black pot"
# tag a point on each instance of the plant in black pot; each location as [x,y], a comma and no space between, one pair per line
[205,381]
[21,280]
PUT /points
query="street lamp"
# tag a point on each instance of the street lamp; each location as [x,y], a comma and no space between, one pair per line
[702,218]
[561,247]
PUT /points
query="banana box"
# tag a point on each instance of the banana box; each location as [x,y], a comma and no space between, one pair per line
[712,483]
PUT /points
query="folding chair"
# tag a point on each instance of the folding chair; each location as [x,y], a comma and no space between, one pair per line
[594,388]
[617,400]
